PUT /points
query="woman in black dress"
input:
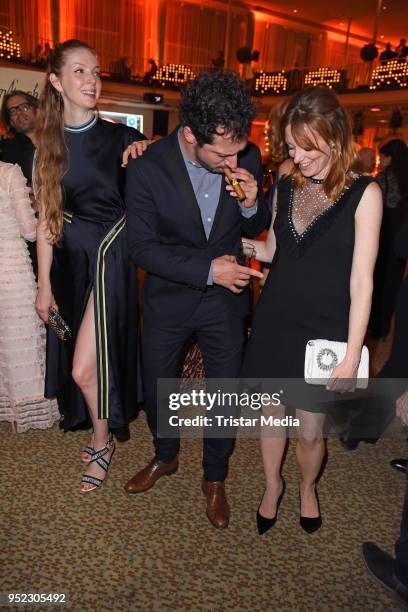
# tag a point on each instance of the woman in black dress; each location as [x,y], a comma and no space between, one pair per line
[323,244]
[389,269]
[84,269]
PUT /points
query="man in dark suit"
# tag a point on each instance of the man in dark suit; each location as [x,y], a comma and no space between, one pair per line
[184,228]
[18,113]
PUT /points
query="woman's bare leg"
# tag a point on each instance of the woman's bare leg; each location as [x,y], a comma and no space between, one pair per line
[310,452]
[273,444]
[84,373]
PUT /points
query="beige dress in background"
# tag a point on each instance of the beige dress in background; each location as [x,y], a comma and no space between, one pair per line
[22,333]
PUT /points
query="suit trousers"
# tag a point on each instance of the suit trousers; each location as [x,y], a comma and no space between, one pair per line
[220,337]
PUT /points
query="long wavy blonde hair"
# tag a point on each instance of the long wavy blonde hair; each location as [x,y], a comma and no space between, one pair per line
[51,153]
[320,111]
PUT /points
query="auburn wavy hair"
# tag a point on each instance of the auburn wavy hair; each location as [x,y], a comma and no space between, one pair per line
[278,149]
[319,110]
[51,152]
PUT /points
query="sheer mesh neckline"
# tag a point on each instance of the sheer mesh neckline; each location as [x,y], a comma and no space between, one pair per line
[294,243]
[309,202]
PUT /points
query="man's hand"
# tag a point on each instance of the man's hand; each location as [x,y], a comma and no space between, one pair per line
[248,183]
[229,274]
[135,149]
[402,408]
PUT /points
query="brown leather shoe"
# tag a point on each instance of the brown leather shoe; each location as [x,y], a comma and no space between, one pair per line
[146,478]
[218,510]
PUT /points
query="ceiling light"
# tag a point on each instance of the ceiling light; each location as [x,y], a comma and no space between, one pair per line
[295,10]
[375,109]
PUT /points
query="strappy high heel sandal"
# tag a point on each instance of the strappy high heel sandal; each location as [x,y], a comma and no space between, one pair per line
[98,458]
[88,452]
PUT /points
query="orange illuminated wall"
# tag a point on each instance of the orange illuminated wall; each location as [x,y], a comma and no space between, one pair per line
[257,135]
[195,32]
[279,46]
[282,44]
[115,29]
[30,19]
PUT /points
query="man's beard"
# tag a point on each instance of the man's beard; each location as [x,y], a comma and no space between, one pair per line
[26,129]
[215,170]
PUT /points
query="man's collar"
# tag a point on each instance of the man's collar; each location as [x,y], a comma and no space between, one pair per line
[184,153]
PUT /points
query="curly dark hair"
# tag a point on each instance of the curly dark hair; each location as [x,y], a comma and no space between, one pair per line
[5,115]
[213,100]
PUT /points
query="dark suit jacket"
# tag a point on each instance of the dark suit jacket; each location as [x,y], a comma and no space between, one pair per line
[166,236]
[19,150]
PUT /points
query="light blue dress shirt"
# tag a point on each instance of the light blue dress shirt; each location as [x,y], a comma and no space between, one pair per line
[207,187]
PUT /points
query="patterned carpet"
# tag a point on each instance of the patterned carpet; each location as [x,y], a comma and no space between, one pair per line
[157,551]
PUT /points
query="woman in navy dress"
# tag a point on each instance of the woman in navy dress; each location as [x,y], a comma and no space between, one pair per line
[323,244]
[84,269]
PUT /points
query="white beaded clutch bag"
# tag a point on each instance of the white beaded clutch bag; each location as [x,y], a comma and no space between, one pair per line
[322,356]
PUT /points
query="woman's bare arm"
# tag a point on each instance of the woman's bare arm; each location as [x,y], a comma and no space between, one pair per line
[367,231]
[45,299]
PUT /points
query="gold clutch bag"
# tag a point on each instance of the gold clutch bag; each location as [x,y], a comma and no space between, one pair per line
[58,325]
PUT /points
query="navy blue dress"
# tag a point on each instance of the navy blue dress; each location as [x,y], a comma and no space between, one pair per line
[92,256]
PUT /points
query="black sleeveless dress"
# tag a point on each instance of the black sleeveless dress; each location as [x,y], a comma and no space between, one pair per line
[92,256]
[306,295]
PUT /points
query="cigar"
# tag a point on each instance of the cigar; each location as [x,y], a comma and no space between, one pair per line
[235,184]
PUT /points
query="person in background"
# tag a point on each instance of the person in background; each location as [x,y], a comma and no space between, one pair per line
[373,415]
[219,61]
[151,73]
[294,77]
[389,270]
[22,334]
[402,49]
[366,156]
[388,54]
[391,573]
[124,69]
[45,57]
[37,53]
[18,112]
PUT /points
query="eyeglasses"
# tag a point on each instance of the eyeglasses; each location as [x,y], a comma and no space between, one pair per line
[23,107]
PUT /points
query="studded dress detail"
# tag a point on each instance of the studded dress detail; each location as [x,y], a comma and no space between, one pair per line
[307,292]
[22,333]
